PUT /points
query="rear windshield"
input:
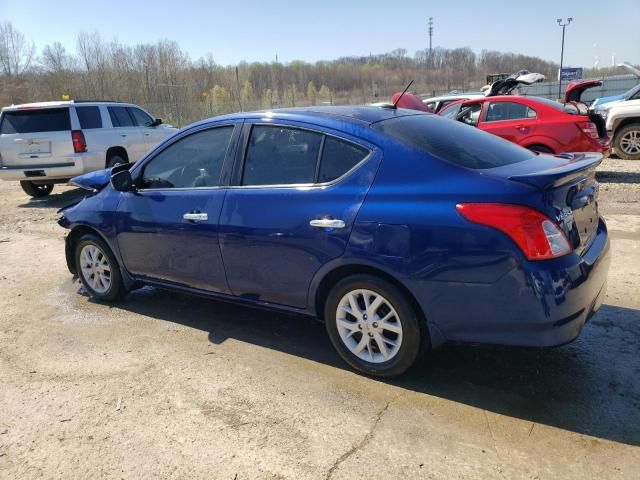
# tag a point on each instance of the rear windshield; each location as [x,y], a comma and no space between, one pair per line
[453,141]
[32,121]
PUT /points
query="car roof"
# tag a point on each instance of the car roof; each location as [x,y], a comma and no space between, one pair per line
[329,116]
[61,103]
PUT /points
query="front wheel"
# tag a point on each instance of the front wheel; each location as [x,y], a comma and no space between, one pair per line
[98,269]
[626,142]
[36,190]
[373,326]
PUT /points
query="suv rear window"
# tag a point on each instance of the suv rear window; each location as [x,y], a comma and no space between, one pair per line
[89,117]
[33,121]
[120,117]
[453,141]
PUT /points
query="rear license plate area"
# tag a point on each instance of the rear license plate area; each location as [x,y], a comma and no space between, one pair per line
[34,173]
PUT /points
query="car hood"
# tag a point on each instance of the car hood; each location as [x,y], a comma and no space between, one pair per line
[576,89]
[605,101]
[505,86]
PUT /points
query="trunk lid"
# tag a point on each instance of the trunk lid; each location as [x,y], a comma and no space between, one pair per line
[505,86]
[576,89]
[565,189]
[32,137]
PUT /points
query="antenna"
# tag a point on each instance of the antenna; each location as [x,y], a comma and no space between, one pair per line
[395,104]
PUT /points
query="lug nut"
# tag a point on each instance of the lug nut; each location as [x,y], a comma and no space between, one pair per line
[375,324]
[360,326]
[365,316]
[370,334]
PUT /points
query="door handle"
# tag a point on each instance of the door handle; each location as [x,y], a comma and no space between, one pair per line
[196,217]
[123,134]
[327,223]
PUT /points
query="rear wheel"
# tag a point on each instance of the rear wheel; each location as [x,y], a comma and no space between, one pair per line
[98,269]
[373,326]
[540,149]
[627,142]
[36,190]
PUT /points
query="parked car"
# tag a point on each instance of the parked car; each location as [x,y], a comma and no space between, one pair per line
[50,142]
[631,94]
[435,104]
[536,123]
[376,220]
[623,124]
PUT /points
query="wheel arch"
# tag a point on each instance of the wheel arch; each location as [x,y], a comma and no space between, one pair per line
[115,150]
[333,276]
[70,243]
[623,122]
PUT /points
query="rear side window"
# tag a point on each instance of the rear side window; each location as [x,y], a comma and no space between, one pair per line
[453,141]
[338,157]
[33,121]
[120,117]
[89,117]
[281,156]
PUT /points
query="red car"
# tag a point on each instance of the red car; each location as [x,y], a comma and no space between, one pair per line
[537,123]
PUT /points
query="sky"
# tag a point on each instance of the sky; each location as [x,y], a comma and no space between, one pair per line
[252,30]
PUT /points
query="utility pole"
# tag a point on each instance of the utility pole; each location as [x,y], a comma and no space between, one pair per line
[562,24]
[430,29]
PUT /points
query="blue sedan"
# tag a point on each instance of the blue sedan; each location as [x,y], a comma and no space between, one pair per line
[401,230]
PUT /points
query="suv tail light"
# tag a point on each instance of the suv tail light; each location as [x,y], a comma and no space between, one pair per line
[79,143]
[538,236]
[589,129]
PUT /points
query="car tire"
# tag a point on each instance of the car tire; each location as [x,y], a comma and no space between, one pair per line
[540,149]
[36,190]
[116,159]
[367,342]
[626,142]
[98,269]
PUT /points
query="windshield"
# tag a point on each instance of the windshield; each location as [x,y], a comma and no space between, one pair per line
[633,94]
[453,141]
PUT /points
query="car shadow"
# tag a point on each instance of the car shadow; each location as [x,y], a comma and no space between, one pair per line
[589,387]
[56,199]
[604,176]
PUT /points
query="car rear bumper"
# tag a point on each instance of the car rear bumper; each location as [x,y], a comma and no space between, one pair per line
[537,304]
[63,168]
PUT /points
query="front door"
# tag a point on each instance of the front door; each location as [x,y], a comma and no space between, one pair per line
[168,228]
[292,210]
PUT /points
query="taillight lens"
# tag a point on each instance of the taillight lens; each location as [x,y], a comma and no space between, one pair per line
[79,143]
[538,237]
[589,129]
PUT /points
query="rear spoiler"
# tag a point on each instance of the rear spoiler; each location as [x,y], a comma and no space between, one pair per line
[578,166]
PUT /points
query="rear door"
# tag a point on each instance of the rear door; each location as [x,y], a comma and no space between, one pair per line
[35,138]
[127,133]
[511,120]
[297,194]
[167,229]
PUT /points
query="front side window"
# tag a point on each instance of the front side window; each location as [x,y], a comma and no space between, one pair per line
[35,121]
[500,111]
[140,117]
[192,162]
[281,156]
[451,112]
[120,117]
[89,117]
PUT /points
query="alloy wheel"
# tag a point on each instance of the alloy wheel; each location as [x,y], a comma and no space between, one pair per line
[630,142]
[369,326]
[95,268]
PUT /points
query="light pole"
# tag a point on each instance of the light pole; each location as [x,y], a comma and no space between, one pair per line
[562,24]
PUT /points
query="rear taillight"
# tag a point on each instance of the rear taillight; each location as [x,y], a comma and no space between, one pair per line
[538,236]
[589,129]
[79,143]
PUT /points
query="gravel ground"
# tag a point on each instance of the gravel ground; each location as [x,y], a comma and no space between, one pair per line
[169,386]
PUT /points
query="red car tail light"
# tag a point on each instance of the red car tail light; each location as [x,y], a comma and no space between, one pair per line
[589,129]
[79,143]
[538,236]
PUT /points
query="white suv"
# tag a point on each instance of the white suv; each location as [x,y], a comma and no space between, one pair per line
[51,142]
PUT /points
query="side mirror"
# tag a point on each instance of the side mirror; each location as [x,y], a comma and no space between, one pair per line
[156,122]
[122,181]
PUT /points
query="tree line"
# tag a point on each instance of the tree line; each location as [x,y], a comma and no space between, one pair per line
[163,78]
